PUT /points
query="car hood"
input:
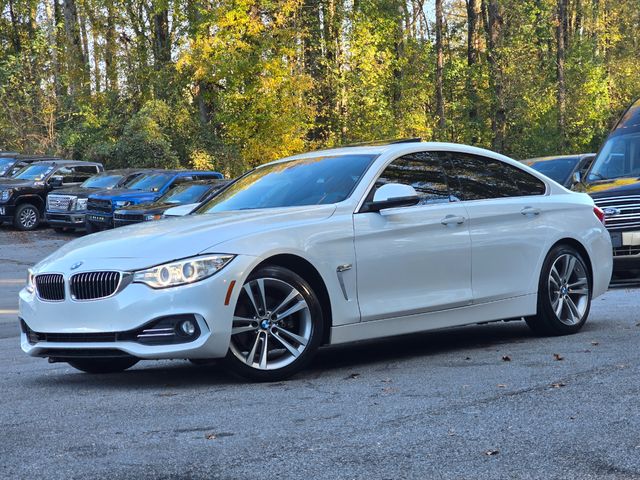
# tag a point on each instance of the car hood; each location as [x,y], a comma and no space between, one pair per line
[147,208]
[150,243]
[79,191]
[619,187]
[132,195]
[181,210]
[7,183]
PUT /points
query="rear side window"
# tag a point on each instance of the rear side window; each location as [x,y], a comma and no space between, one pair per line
[423,171]
[473,177]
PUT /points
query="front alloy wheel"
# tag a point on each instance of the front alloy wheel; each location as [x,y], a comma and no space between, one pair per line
[27,217]
[277,325]
[564,293]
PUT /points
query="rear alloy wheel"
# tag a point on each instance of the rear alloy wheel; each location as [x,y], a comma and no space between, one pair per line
[564,293]
[27,217]
[103,365]
[277,326]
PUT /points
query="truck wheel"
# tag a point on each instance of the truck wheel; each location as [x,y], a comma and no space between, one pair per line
[27,217]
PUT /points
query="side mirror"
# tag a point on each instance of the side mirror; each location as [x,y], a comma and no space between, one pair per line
[393,195]
[56,181]
[577,177]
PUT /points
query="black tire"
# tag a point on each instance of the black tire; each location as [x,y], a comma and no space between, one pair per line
[63,229]
[103,365]
[307,323]
[575,306]
[26,217]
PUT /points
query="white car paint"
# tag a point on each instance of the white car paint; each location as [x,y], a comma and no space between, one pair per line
[409,272]
[180,210]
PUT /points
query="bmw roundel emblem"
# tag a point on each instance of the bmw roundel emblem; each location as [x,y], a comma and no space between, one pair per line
[76,265]
[611,212]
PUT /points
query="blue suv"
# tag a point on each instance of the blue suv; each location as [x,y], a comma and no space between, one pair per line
[148,188]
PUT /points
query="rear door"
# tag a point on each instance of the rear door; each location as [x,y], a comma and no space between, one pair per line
[413,259]
[507,208]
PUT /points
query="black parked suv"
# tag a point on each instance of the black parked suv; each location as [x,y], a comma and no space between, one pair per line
[614,183]
[11,163]
[195,193]
[67,207]
[23,197]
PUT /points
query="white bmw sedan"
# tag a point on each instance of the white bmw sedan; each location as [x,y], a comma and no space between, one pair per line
[325,248]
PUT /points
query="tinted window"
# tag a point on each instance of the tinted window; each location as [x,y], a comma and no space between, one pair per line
[151,182]
[423,172]
[307,181]
[102,181]
[35,172]
[477,178]
[185,194]
[5,163]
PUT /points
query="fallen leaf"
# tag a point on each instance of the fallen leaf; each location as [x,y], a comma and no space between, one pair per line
[506,358]
[386,380]
[492,452]
[558,385]
[467,358]
[388,390]
[558,357]
[353,375]
[587,351]
[210,436]
[501,385]
[595,343]
[167,394]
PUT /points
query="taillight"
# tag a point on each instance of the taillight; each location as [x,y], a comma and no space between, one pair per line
[600,214]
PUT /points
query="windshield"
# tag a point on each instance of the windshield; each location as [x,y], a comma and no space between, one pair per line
[309,181]
[151,182]
[5,163]
[34,172]
[620,157]
[559,169]
[102,181]
[185,194]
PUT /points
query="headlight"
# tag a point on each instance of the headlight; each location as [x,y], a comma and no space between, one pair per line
[182,272]
[123,203]
[81,204]
[5,195]
[149,218]
[31,286]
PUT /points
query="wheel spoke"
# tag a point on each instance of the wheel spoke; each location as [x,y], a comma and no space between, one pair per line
[555,276]
[300,305]
[578,283]
[292,294]
[301,340]
[248,328]
[249,292]
[293,350]
[264,351]
[569,266]
[557,308]
[574,313]
[263,297]
[252,353]
[582,291]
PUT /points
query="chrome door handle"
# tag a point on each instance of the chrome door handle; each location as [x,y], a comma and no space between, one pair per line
[452,219]
[530,211]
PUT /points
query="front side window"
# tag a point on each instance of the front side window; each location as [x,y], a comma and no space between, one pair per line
[307,181]
[423,172]
[472,177]
[619,158]
[6,164]
[102,181]
[182,194]
[151,182]
[559,169]
[34,172]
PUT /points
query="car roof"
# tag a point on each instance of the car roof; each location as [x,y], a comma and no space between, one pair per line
[396,146]
[67,162]
[209,181]
[577,156]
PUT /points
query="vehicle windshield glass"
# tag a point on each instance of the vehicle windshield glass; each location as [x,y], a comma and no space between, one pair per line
[34,172]
[5,163]
[102,181]
[151,182]
[559,169]
[620,157]
[308,181]
[184,194]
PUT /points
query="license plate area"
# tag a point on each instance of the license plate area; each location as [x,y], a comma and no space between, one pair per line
[2,211]
[616,239]
[630,239]
[97,218]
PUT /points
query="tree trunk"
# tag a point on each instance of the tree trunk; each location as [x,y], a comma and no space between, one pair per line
[439,68]
[312,60]
[561,92]
[473,27]
[110,49]
[76,61]
[494,26]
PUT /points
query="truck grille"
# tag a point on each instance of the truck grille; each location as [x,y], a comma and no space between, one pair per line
[50,286]
[94,285]
[628,217]
[59,203]
[97,205]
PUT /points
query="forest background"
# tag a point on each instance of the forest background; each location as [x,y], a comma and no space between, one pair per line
[231,84]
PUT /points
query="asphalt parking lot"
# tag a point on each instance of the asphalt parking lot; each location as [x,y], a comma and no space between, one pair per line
[488,401]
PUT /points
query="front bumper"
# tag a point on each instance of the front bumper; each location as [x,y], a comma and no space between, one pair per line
[72,220]
[131,309]
[7,212]
[100,220]
[626,250]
